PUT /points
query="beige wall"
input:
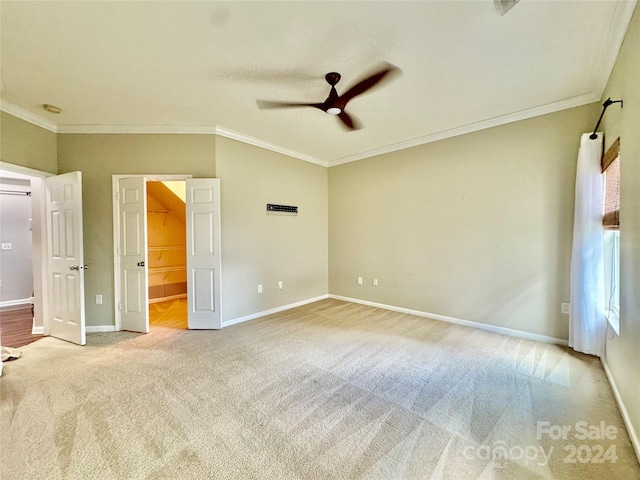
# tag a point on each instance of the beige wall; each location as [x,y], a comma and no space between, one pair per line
[27,145]
[258,248]
[623,352]
[99,157]
[476,227]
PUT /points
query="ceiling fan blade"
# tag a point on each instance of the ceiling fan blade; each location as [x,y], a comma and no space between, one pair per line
[369,82]
[503,6]
[349,122]
[265,104]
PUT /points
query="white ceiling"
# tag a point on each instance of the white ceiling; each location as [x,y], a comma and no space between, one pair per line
[199,66]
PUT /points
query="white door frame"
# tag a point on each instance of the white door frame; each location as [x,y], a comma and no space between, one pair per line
[39,253]
[151,177]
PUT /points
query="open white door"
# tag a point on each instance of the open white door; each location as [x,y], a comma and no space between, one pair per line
[203,253]
[134,290]
[65,256]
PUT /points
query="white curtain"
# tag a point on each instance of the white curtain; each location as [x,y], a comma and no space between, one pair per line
[587,321]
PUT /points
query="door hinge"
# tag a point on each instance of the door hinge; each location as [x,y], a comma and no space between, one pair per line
[119,306]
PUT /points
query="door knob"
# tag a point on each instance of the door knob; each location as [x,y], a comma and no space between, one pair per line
[141,264]
[75,267]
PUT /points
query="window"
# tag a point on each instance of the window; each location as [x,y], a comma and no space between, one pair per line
[611,237]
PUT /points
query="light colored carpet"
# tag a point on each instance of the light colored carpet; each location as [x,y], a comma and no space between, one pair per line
[328,390]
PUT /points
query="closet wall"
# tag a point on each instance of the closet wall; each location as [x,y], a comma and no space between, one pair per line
[166,239]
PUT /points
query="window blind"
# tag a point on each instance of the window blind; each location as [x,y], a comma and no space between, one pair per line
[611,170]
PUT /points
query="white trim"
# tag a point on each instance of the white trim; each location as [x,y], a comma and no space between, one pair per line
[100,328]
[609,55]
[633,435]
[169,298]
[466,323]
[37,330]
[20,301]
[472,127]
[139,129]
[154,177]
[27,116]
[613,320]
[223,132]
[253,316]
[38,255]
[10,167]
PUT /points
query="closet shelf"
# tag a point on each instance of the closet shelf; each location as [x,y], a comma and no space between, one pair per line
[173,268]
[166,248]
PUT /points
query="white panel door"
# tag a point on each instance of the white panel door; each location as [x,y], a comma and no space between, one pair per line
[203,253]
[65,256]
[134,289]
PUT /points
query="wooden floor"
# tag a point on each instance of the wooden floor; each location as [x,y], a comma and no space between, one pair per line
[169,314]
[16,324]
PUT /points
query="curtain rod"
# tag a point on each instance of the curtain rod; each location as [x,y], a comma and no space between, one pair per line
[14,192]
[606,103]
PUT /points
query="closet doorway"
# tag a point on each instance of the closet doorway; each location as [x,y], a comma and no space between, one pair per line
[166,253]
[149,261]
[17,282]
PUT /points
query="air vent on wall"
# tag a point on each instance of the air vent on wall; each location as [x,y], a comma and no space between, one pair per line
[282,209]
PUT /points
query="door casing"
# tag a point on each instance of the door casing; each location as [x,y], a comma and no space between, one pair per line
[39,252]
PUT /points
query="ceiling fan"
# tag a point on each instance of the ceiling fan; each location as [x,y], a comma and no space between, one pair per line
[503,6]
[335,104]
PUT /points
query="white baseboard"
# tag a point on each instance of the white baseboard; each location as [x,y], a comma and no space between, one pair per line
[633,435]
[253,316]
[100,328]
[13,303]
[37,330]
[467,323]
[166,299]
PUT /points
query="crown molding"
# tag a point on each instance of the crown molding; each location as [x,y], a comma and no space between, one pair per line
[186,130]
[472,127]
[27,116]
[609,55]
[139,129]
[602,71]
[223,132]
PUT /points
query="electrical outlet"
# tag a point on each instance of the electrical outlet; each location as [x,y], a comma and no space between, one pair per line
[564,308]
[98,299]
[375,282]
[280,285]
[260,288]
[7,246]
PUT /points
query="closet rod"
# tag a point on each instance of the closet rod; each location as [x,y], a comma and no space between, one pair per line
[14,192]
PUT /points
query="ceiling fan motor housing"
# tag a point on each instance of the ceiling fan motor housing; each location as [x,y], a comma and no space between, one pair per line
[332,78]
